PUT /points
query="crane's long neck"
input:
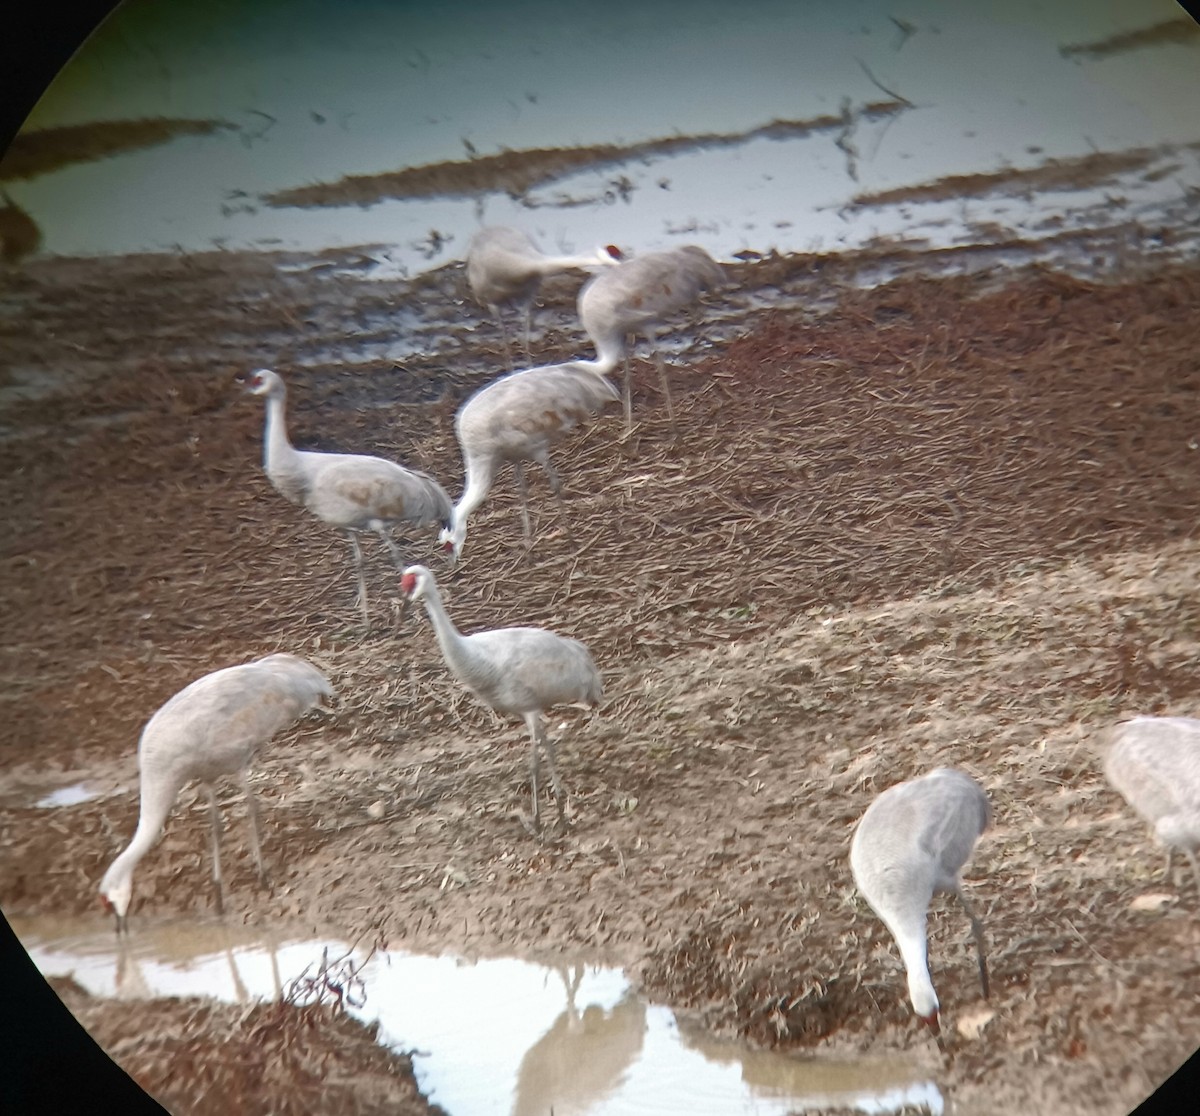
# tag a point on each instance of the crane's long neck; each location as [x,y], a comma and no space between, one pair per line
[609,353]
[480,474]
[156,804]
[592,261]
[281,461]
[455,646]
[911,939]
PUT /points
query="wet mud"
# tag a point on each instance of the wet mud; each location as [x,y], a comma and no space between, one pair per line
[949,519]
[274,1057]
[42,150]
[1053,174]
[518,172]
[1159,34]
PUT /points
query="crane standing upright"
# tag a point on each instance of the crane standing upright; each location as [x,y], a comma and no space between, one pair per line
[351,491]
[521,671]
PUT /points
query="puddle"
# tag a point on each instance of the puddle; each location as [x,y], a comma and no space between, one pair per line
[67,796]
[500,1037]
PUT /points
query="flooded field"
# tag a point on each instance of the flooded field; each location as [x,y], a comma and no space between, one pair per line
[493,1036]
[929,498]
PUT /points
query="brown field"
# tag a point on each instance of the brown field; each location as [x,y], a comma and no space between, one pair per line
[942,521]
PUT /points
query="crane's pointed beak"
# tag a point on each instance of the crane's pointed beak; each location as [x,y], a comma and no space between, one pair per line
[122,923]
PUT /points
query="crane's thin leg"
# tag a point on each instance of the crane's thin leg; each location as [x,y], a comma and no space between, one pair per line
[557,488]
[627,398]
[503,337]
[129,973]
[397,561]
[215,817]
[537,730]
[255,829]
[571,976]
[528,323]
[1167,870]
[519,469]
[362,578]
[555,785]
[393,549]
[662,376]
[554,479]
[977,932]
[276,978]
[1195,867]
[239,988]
[533,720]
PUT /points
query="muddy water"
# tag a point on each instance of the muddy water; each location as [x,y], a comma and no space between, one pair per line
[500,1036]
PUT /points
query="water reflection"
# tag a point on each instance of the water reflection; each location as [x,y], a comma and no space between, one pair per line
[499,1037]
[584,1057]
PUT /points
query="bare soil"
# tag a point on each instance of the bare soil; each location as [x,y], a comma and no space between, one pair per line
[941,521]
[274,1057]
[42,150]
[1051,174]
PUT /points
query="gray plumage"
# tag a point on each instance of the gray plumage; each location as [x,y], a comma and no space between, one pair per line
[518,418]
[350,491]
[1154,762]
[911,843]
[639,297]
[211,728]
[506,268]
[521,671]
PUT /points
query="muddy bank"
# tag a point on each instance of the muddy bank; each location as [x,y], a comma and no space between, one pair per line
[518,172]
[274,1057]
[945,520]
[43,150]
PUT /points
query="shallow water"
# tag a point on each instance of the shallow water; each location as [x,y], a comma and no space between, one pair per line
[495,1036]
[366,88]
[67,796]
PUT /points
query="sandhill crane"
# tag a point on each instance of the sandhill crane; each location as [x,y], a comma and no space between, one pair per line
[639,297]
[211,728]
[1155,763]
[518,418]
[505,268]
[513,670]
[911,843]
[351,491]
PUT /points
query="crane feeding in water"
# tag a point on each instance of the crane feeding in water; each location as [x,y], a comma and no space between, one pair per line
[518,418]
[211,728]
[506,268]
[640,297]
[521,671]
[913,842]
[350,491]
[1155,764]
